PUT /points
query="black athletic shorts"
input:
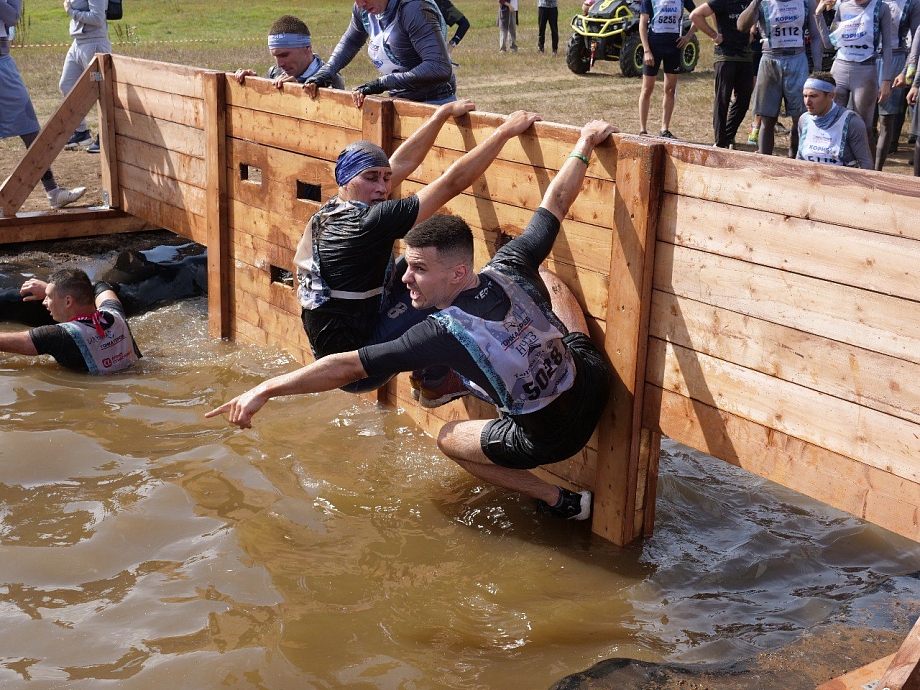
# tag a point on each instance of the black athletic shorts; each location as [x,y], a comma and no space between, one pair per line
[507,444]
[664,49]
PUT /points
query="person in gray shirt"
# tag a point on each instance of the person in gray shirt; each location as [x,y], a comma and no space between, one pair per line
[90,32]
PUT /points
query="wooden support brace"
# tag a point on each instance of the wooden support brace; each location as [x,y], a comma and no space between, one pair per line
[50,141]
[901,669]
[108,155]
[218,228]
[618,512]
[377,125]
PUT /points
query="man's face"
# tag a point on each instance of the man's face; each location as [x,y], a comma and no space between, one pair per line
[369,186]
[817,102]
[429,278]
[57,305]
[294,61]
[372,6]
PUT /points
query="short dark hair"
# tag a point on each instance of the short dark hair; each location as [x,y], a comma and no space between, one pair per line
[450,235]
[824,76]
[289,24]
[73,282]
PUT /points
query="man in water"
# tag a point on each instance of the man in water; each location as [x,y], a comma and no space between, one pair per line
[828,132]
[347,283]
[291,45]
[517,337]
[92,333]
[407,46]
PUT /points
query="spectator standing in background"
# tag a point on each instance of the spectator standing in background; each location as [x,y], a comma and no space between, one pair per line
[90,32]
[507,25]
[453,17]
[548,13]
[905,19]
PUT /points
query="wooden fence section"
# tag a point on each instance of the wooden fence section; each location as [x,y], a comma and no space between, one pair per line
[759,309]
[785,333]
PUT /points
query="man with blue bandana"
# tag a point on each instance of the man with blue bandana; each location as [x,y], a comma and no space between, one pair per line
[828,132]
[407,46]
[289,42]
[347,281]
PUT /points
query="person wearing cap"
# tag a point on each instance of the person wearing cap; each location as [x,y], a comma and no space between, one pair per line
[513,332]
[346,278]
[405,41]
[828,132]
[91,333]
[291,45]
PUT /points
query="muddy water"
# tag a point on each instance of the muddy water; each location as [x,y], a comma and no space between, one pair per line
[142,546]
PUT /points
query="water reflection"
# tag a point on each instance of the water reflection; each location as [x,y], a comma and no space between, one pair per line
[333,547]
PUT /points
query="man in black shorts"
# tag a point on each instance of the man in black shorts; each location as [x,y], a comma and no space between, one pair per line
[91,335]
[516,336]
[347,282]
[660,24]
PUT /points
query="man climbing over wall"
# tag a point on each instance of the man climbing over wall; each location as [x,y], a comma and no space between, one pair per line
[291,45]
[92,333]
[514,333]
[17,116]
[347,283]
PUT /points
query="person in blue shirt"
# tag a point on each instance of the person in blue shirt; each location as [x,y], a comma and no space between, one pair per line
[660,23]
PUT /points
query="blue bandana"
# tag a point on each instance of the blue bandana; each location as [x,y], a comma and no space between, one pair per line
[358,157]
[288,41]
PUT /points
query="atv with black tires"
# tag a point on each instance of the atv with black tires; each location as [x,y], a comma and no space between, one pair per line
[610,31]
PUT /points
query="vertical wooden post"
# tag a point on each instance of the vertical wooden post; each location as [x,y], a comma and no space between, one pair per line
[107,130]
[618,513]
[214,89]
[377,125]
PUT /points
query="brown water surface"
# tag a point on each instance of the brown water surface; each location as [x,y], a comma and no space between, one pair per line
[142,546]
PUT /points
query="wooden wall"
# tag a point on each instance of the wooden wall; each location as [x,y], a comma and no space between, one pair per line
[758,309]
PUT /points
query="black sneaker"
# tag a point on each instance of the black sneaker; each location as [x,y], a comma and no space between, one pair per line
[78,139]
[572,505]
[94,147]
[666,134]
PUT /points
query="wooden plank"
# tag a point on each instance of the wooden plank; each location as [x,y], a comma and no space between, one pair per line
[285,329]
[172,107]
[877,201]
[162,215]
[108,157]
[269,226]
[631,262]
[858,258]
[904,671]
[855,680]
[162,161]
[545,145]
[273,197]
[244,332]
[888,325]
[859,489]
[252,259]
[67,223]
[377,122]
[171,135]
[166,190]
[844,371]
[213,85]
[330,107]
[876,439]
[50,141]
[160,76]
[307,138]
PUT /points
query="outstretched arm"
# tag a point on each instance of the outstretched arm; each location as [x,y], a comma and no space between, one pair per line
[17,343]
[471,166]
[324,374]
[413,150]
[565,187]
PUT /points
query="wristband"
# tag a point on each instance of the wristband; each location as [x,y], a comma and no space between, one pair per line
[581,157]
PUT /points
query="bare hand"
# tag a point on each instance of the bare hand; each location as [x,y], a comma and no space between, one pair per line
[310,89]
[241,409]
[278,82]
[899,82]
[458,108]
[648,58]
[518,122]
[717,39]
[683,41]
[884,90]
[358,98]
[67,5]
[241,74]
[596,131]
[912,95]
[33,290]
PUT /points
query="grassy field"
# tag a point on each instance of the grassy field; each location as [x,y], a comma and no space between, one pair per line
[231,34]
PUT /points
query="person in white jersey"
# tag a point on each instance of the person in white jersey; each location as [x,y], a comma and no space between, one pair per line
[828,132]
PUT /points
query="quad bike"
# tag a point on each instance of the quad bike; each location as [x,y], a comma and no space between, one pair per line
[610,31]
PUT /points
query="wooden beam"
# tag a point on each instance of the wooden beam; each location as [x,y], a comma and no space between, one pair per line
[50,141]
[215,119]
[68,223]
[636,201]
[858,679]
[904,671]
[377,125]
[108,155]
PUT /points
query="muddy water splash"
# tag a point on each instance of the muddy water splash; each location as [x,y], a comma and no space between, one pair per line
[333,547]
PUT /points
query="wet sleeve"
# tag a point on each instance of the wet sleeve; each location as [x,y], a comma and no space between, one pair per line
[10,11]
[531,248]
[349,45]
[392,219]
[423,30]
[55,341]
[425,344]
